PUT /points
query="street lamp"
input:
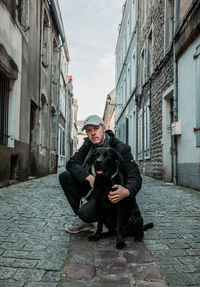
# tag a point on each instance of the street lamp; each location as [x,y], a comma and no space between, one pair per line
[109,101]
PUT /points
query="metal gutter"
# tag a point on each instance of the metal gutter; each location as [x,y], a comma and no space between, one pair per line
[175,105]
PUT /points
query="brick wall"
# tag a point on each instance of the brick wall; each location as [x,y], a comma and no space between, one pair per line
[156,85]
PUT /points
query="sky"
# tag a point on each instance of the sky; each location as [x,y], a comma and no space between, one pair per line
[91,29]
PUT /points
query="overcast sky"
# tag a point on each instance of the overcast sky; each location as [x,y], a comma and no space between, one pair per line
[91,29]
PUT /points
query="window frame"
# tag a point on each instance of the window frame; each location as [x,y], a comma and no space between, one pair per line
[140,134]
[147,123]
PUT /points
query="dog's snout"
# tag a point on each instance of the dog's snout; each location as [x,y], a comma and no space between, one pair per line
[98,160]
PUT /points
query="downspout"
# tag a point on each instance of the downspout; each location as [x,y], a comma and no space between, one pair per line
[58,104]
[175,105]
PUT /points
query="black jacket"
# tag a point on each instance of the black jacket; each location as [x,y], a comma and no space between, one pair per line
[129,168]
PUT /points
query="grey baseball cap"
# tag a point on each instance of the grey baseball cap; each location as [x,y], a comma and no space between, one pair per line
[93,120]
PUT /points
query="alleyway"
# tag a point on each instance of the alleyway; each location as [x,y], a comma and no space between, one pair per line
[35,251]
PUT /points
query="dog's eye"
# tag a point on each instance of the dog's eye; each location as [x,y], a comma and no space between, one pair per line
[96,155]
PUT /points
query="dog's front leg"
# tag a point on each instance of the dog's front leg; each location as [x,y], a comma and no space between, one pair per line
[120,238]
[98,232]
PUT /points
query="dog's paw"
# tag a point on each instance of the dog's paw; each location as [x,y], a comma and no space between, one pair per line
[120,245]
[138,239]
[94,237]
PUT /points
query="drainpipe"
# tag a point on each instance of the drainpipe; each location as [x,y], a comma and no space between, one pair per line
[58,104]
[175,105]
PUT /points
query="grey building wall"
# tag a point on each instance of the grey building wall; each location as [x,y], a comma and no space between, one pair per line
[187,52]
[167,94]
[126,75]
[29,37]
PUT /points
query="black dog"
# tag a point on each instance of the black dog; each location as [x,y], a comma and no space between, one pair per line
[122,218]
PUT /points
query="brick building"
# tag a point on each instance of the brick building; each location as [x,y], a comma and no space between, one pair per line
[154,89]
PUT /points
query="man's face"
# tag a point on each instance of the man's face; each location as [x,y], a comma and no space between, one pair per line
[96,134]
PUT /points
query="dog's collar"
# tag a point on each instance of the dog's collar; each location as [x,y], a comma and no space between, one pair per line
[112,176]
[94,172]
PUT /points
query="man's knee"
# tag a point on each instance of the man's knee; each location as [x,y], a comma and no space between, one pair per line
[83,215]
[88,211]
[65,177]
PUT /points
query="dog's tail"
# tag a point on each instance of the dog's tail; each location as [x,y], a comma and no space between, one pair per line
[147,226]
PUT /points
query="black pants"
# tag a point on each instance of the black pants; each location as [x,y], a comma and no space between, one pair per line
[74,191]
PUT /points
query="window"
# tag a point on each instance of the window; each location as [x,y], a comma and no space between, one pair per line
[132,132]
[124,91]
[124,46]
[147,130]
[168,24]
[62,140]
[119,100]
[128,31]
[128,82]
[4,99]
[23,13]
[144,6]
[133,70]
[140,135]
[119,133]
[121,56]
[133,21]
[45,40]
[11,6]
[126,131]
[149,64]
[53,128]
[197,129]
[62,100]
[43,117]
[142,68]
[116,67]
[54,63]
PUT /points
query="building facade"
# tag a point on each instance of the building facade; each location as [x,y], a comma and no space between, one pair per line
[187,65]
[63,108]
[30,34]
[165,133]
[109,112]
[74,131]
[126,75]
[155,88]
[69,125]
[81,133]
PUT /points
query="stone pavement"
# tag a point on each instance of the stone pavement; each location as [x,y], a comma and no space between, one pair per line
[35,251]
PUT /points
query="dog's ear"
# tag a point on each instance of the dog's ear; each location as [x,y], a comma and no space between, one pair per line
[116,155]
[90,157]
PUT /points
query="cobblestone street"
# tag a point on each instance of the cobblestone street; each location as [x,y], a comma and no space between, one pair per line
[35,251]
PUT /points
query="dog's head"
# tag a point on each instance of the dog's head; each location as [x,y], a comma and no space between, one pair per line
[105,161]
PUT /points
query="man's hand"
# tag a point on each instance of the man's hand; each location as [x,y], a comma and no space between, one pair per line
[119,194]
[90,178]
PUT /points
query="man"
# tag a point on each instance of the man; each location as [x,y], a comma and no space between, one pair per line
[76,181]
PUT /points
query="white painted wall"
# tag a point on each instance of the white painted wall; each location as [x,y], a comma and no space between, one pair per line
[187,150]
[11,39]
